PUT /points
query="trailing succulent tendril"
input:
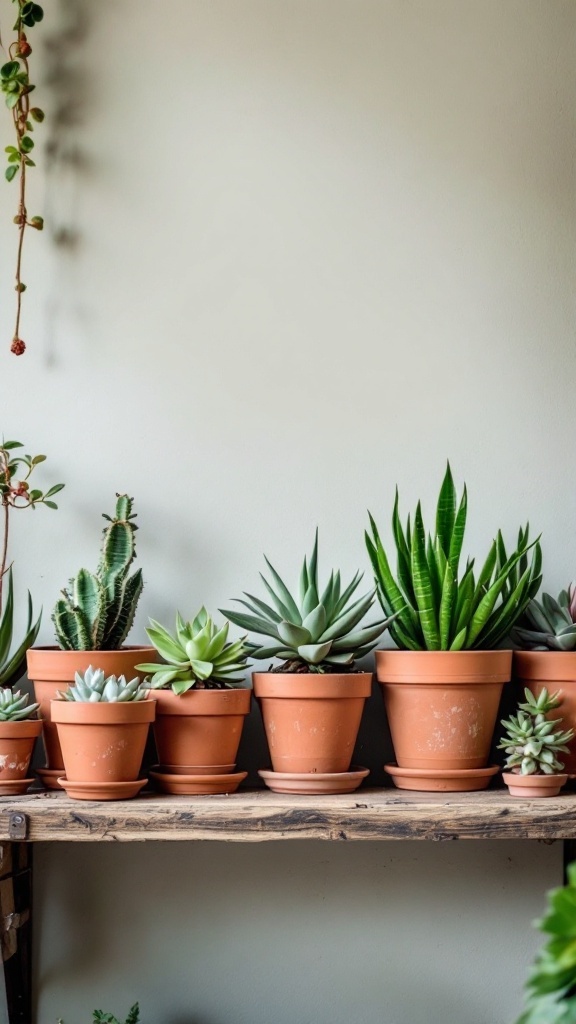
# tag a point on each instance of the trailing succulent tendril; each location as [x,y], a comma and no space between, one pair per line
[318,631]
[14,706]
[196,654]
[533,741]
[96,612]
[549,624]
[436,607]
[94,687]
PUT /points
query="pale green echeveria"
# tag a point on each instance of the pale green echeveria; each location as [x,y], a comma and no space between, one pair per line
[14,706]
[533,741]
[549,624]
[196,654]
[319,629]
[94,687]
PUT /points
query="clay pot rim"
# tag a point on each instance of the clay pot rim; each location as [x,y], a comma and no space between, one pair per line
[235,701]
[534,780]
[441,773]
[312,685]
[443,668]
[68,712]
[545,666]
[30,727]
[117,650]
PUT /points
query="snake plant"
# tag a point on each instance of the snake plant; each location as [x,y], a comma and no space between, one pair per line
[14,706]
[437,607]
[94,687]
[196,654]
[549,624]
[97,611]
[533,741]
[318,631]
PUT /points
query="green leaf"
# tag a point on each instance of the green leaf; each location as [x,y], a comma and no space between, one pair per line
[446,605]
[314,654]
[26,144]
[446,511]
[293,635]
[11,172]
[457,538]
[423,585]
[37,114]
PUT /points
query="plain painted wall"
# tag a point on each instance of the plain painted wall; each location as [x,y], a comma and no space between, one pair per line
[297,251]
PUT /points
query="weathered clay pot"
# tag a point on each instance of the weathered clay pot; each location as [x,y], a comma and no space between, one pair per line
[52,669]
[555,670]
[311,720]
[533,786]
[102,742]
[17,741]
[442,705]
[200,727]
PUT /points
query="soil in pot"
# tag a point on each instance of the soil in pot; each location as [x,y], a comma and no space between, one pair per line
[102,742]
[311,720]
[555,671]
[200,728]
[442,705]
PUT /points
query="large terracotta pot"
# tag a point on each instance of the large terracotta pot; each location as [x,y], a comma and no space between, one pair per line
[52,669]
[555,670]
[311,720]
[17,741]
[102,742]
[442,705]
[200,728]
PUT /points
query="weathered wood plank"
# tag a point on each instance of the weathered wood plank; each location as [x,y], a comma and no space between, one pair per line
[259,816]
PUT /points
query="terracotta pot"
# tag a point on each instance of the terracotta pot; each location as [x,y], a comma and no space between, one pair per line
[201,727]
[533,786]
[52,669]
[102,742]
[17,741]
[311,720]
[555,670]
[442,705]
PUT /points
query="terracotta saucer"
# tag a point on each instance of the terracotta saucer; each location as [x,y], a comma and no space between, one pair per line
[303,783]
[196,785]
[441,780]
[195,769]
[101,790]
[49,777]
[15,787]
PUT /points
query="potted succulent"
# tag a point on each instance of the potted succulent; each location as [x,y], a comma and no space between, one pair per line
[532,743]
[547,632]
[92,620]
[312,702]
[19,730]
[442,687]
[100,1017]
[102,724]
[201,705]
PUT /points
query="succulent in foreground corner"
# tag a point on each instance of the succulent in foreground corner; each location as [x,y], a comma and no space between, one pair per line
[93,686]
[196,654]
[101,1017]
[533,741]
[437,608]
[96,612]
[549,624]
[14,706]
[319,630]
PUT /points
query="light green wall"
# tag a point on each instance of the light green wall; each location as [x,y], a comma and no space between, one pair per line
[319,246]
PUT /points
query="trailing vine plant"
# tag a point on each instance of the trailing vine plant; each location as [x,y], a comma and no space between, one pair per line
[16,86]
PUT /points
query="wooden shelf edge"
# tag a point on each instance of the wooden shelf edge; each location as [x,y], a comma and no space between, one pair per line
[262,816]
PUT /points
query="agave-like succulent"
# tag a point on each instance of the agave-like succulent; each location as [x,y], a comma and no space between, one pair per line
[93,687]
[14,706]
[532,740]
[196,654]
[319,630]
[549,624]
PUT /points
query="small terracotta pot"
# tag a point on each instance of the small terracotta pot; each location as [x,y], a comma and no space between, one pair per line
[200,727]
[102,742]
[52,669]
[17,741]
[442,705]
[311,720]
[555,670]
[533,786]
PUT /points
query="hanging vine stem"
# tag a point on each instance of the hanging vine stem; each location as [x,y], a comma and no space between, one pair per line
[15,84]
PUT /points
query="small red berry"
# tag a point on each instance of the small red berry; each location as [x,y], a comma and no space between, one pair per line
[24,48]
[18,347]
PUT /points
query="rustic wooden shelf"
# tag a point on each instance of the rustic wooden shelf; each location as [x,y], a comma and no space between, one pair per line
[259,816]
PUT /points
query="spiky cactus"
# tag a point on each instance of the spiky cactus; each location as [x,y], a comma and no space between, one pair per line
[196,654]
[94,687]
[318,632]
[549,624]
[532,740]
[14,706]
[97,611]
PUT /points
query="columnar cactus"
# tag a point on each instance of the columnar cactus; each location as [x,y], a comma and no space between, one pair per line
[96,612]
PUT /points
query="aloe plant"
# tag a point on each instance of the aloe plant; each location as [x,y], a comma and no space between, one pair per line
[551,987]
[533,741]
[318,631]
[196,654]
[437,607]
[549,624]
